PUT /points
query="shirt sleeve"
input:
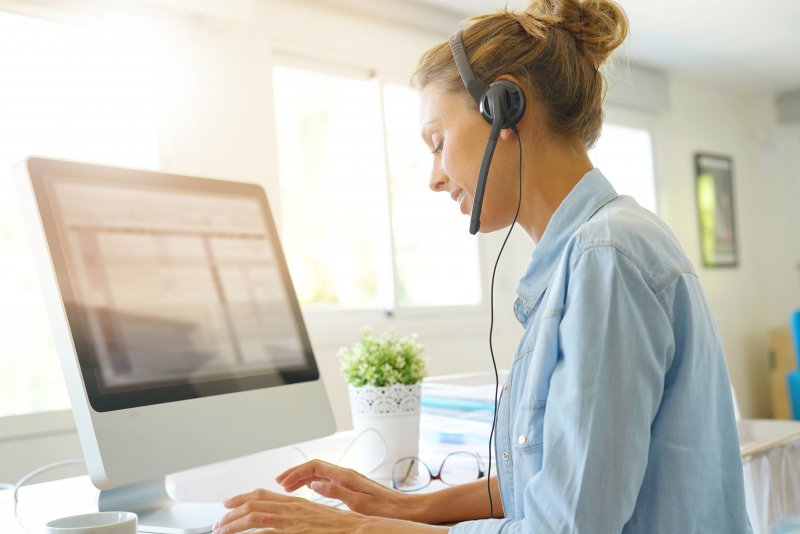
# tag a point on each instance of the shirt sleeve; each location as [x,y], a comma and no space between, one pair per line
[616,343]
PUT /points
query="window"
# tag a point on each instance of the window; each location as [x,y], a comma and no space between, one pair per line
[436,257]
[359,225]
[625,155]
[64,92]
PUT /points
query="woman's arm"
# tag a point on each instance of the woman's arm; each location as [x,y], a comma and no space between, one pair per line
[464,502]
[365,496]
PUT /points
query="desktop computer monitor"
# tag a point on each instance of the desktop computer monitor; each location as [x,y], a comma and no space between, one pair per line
[176,323]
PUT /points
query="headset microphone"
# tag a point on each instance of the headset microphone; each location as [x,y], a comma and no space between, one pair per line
[480,187]
[501,104]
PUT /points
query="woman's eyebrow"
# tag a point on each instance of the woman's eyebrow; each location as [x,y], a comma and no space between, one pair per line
[424,132]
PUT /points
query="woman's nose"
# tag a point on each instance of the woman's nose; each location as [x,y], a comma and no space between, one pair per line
[438,181]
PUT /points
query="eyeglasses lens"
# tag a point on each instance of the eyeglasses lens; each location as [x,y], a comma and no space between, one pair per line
[460,467]
[410,474]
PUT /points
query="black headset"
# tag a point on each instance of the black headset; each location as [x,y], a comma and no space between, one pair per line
[501,103]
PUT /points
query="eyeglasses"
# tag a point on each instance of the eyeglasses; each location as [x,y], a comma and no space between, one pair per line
[412,474]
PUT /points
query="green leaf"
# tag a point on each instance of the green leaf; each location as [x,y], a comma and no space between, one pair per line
[383,360]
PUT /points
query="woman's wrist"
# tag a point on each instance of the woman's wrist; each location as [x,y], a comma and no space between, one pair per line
[419,507]
[396,526]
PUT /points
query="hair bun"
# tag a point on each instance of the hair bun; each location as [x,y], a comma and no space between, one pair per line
[599,25]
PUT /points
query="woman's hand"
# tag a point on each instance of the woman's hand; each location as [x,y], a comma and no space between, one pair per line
[262,509]
[358,492]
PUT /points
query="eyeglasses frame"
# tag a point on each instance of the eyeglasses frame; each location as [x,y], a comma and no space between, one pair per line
[438,475]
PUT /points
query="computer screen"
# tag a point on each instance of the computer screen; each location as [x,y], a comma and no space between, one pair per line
[174,287]
[174,317]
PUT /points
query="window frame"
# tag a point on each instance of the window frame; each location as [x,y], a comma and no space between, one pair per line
[327,319]
[36,425]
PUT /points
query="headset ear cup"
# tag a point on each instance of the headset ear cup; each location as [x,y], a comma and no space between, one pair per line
[503,100]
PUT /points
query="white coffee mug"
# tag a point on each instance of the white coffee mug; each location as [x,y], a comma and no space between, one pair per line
[96,523]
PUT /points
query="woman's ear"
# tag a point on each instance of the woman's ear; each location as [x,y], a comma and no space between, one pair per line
[506,133]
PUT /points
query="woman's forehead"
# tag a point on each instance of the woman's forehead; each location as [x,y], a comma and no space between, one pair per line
[436,106]
[429,106]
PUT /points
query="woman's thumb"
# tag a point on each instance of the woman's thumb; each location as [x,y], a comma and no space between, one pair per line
[332,490]
[326,489]
[319,486]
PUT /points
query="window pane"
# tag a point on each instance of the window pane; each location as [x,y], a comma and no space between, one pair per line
[64,92]
[334,202]
[625,155]
[436,257]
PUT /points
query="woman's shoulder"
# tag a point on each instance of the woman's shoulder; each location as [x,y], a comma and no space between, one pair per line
[636,233]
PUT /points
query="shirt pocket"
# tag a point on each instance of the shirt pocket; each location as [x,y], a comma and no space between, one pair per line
[528,436]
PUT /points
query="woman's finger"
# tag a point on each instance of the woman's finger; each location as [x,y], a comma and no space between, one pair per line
[247,517]
[251,507]
[304,482]
[257,495]
[302,468]
[247,522]
[310,468]
[297,514]
[316,470]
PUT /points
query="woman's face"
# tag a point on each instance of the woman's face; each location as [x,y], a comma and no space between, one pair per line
[456,134]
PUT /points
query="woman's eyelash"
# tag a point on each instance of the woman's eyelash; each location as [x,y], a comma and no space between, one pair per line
[437,148]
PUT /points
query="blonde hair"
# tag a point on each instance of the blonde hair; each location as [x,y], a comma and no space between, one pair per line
[554,46]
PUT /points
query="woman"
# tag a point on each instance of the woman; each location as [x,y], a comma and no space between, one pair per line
[617,414]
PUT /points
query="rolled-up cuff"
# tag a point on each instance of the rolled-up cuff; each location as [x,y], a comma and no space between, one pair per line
[482,526]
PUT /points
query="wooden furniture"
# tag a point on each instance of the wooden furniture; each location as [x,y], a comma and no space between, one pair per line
[782,360]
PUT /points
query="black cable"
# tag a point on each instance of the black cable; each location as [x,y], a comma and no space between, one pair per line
[491,325]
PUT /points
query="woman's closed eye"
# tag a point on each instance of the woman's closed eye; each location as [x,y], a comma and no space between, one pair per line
[438,148]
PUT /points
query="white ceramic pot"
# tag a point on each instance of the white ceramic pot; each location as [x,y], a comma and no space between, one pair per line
[392,412]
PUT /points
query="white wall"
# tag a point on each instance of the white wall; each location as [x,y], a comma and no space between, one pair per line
[218,121]
[760,292]
[778,149]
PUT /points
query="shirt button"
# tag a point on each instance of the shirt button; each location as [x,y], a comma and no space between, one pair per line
[522,439]
[506,388]
[505,455]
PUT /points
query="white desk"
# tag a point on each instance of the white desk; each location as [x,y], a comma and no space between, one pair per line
[39,503]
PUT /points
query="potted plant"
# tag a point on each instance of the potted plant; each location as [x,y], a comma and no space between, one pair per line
[384,375]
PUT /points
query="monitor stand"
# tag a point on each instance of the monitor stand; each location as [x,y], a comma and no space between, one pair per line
[158,512]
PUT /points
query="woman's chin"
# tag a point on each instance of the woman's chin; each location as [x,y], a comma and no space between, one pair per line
[465,207]
[490,226]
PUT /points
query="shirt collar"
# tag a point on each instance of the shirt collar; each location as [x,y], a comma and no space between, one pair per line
[591,193]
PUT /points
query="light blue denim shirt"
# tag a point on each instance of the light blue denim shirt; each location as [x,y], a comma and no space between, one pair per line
[617,413]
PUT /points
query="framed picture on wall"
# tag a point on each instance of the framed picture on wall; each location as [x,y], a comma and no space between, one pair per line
[714,189]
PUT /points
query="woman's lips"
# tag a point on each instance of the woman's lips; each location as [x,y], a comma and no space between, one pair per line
[458,196]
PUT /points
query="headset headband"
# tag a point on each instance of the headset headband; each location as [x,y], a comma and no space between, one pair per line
[476,89]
